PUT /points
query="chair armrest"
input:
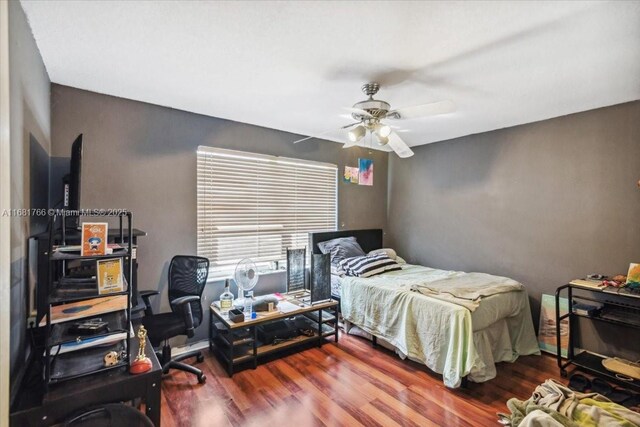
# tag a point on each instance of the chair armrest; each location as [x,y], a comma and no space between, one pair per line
[145,295]
[184,300]
[184,305]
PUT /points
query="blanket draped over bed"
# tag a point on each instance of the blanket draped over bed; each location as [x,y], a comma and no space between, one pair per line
[465,289]
[456,323]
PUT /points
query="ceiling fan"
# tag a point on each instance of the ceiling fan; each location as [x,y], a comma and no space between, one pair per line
[370,113]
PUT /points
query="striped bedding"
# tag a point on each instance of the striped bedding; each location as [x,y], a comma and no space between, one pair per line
[368,265]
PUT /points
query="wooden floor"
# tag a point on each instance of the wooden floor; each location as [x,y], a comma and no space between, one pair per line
[349,384]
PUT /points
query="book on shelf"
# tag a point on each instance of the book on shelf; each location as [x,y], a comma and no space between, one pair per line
[585,309]
[112,248]
[77,281]
[68,249]
[89,341]
[85,308]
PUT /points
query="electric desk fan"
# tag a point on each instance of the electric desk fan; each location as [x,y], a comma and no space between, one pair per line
[246,277]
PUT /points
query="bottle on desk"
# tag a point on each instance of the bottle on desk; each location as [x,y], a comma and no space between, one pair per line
[248,306]
[226,299]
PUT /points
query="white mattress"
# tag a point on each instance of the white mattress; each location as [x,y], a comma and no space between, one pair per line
[492,308]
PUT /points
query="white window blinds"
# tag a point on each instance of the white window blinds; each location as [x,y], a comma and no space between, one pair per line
[256,206]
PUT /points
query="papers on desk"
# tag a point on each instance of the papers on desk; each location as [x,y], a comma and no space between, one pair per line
[283,306]
[591,284]
[287,307]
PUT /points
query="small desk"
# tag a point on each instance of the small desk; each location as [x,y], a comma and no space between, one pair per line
[620,307]
[72,396]
[237,344]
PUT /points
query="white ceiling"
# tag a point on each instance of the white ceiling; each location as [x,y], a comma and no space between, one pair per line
[293,65]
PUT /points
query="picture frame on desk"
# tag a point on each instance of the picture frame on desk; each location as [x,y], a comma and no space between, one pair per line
[109,275]
[296,264]
[320,278]
[94,238]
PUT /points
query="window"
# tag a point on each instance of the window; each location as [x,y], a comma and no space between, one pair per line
[256,206]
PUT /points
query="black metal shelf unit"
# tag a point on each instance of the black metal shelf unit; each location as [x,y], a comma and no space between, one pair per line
[61,360]
[623,311]
[240,345]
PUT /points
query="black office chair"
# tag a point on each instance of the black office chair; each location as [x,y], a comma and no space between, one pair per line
[187,278]
[109,415]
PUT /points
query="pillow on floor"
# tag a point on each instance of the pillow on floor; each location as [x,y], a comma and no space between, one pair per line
[368,265]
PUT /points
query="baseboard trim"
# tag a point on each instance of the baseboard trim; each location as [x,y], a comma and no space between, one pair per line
[199,345]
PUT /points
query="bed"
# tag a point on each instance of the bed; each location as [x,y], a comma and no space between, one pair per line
[450,335]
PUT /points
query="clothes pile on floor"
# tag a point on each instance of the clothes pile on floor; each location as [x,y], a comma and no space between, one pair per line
[555,405]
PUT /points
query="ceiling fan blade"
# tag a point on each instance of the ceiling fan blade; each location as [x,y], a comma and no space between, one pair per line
[350,144]
[358,111]
[431,109]
[326,132]
[399,146]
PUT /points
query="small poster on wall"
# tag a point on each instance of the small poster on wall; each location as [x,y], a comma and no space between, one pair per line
[351,174]
[365,171]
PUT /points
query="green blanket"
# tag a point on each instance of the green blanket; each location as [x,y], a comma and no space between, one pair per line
[433,331]
[555,404]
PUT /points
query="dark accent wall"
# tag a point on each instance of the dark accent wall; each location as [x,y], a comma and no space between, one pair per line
[30,126]
[542,203]
[142,157]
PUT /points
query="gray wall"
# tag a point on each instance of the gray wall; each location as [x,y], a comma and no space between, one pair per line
[542,203]
[142,157]
[30,129]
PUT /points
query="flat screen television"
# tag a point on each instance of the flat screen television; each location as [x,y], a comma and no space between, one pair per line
[72,181]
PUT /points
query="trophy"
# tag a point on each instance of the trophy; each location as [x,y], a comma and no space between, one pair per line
[142,363]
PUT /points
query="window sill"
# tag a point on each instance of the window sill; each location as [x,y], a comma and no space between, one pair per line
[223,275]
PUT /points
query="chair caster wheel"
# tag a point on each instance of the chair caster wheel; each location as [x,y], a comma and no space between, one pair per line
[200,358]
[202,379]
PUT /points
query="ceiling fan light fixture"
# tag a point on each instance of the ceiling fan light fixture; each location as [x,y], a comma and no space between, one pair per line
[357,133]
[382,140]
[382,130]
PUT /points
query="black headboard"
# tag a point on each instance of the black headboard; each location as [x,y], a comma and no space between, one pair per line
[367,239]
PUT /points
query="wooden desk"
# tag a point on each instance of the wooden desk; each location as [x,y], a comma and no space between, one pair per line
[72,396]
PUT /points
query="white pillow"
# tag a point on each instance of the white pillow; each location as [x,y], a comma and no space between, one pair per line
[384,251]
[400,260]
[336,270]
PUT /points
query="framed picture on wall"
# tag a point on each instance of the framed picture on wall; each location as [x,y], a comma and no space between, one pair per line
[547,330]
[365,171]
